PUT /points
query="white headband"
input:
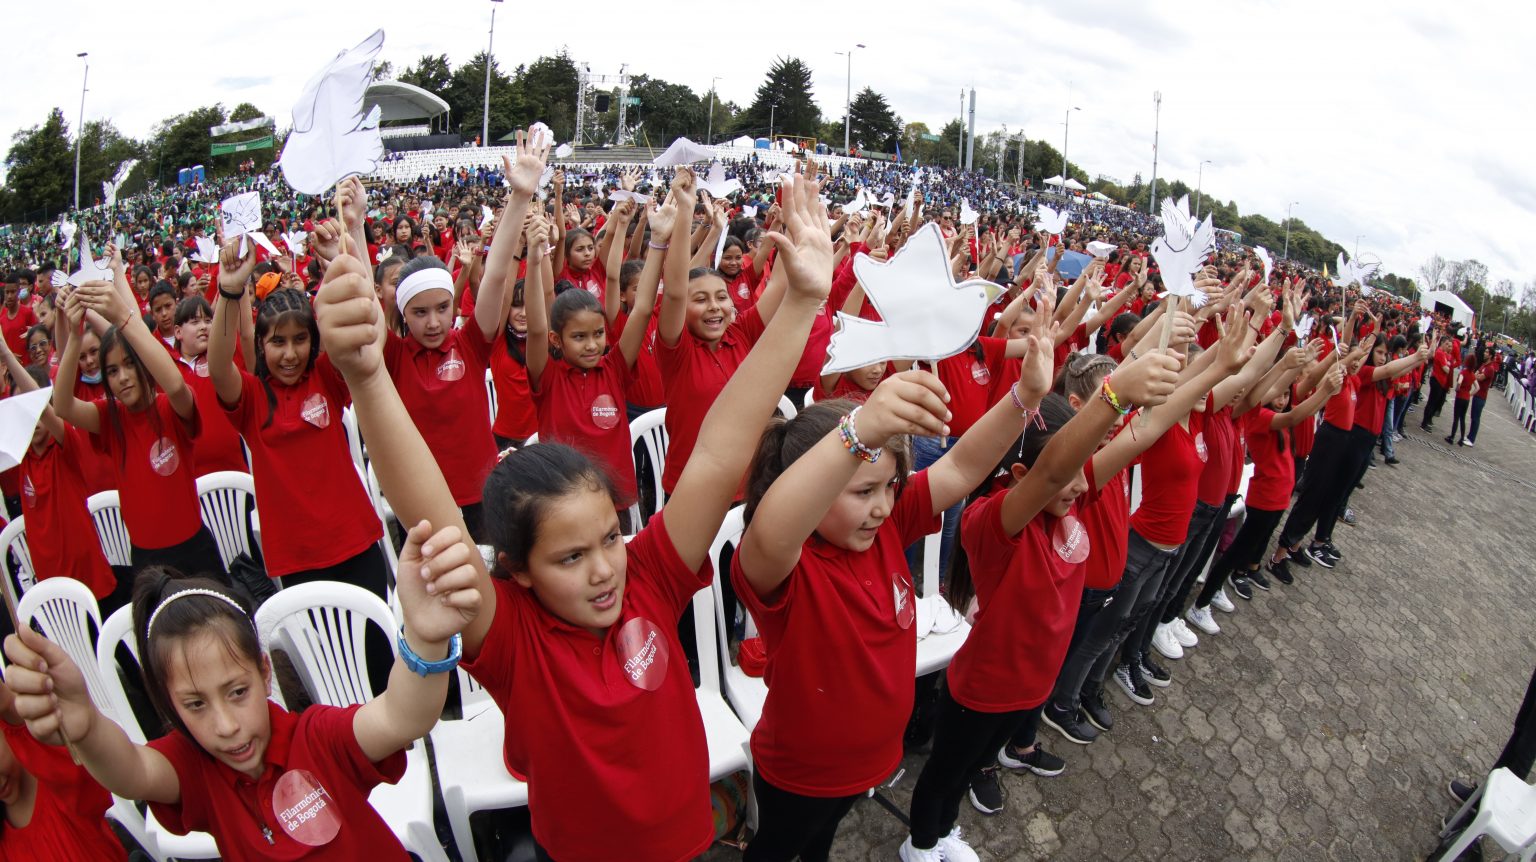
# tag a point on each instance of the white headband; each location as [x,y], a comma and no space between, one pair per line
[421,281]
[181,594]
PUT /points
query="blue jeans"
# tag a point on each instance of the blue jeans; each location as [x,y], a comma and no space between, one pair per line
[1400,411]
[926,451]
[1477,416]
[1387,447]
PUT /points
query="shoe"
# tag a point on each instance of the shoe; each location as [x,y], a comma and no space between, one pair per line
[1243,589]
[951,848]
[1039,761]
[986,792]
[1449,439]
[1070,725]
[1300,557]
[1154,673]
[1461,791]
[1134,686]
[1187,638]
[1467,443]
[1165,642]
[1257,578]
[1332,551]
[1319,556]
[1094,709]
[1392,462]
[1282,573]
[1349,519]
[1201,617]
[1221,603]
[1371,464]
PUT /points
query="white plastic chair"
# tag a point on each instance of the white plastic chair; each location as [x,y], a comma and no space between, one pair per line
[106,509]
[1506,812]
[225,500]
[490,393]
[322,626]
[13,540]
[470,766]
[381,508]
[64,610]
[648,434]
[725,734]
[354,437]
[746,694]
[160,842]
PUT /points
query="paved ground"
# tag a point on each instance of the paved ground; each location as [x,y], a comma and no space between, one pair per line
[1325,719]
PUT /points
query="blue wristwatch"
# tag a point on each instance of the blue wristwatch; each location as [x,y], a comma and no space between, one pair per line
[421,666]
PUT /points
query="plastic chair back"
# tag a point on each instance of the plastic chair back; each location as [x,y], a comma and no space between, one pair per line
[64,610]
[354,438]
[225,499]
[322,627]
[106,509]
[648,439]
[786,408]
[20,578]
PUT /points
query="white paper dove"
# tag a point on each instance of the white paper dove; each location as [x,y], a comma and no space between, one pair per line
[485,215]
[1051,221]
[18,416]
[1356,272]
[242,218]
[640,200]
[716,184]
[749,211]
[331,138]
[295,241]
[207,250]
[889,200]
[772,177]
[564,151]
[91,269]
[683,152]
[57,278]
[1269,264]
[911,200]
[1425,323]
[1099,249]
[1182,250]
[66,234]
[968,215]
[109,187]
[859,203]
[539,134]
[924,314]
[1304,328]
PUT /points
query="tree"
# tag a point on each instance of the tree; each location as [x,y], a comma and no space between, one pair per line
[875,126]
[1462,275]
[431,73]
[465,95]
[949,143]
[548,89]
[103,148]
[788,85]
[383,70]
[666,111]
[183,141]
[1528,297]
[40,171]
[1432,273]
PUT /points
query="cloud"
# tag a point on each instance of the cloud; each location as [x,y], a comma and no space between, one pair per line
[246,82]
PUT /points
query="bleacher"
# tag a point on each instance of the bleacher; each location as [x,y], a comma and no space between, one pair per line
[405,131]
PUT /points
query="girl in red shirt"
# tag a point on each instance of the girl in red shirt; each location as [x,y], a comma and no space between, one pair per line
[576,639]
[740,278]
[1485,373]
[578,259]
[236,765]
[219,448]
[516,418]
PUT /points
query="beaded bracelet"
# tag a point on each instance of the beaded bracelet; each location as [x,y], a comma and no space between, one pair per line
[850,438]
[659,246]
[1107,393]
[1031,416]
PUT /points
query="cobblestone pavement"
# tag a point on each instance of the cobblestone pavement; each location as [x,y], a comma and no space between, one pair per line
[1325,719]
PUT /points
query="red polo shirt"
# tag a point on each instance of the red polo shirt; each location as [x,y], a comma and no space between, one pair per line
[320,748]
[68,814]
[444,391]
[1168,487]
[1106,514]
[516,418]
[53,496]
[969,380]
[1274,470]
[585,410]
[219,446]
[153,466]
[694,376]
[14,327]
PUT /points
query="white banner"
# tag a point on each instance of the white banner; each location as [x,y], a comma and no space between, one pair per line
[242,126]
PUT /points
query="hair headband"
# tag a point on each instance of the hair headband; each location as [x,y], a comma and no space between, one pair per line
[181,594]
[421,281]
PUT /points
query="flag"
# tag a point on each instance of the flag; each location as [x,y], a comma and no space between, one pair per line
[898,152]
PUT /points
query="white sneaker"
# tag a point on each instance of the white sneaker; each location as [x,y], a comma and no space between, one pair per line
[1202,619]
[951,848]
[1221,603]
[908,853]
[1165,642]
[1186,638]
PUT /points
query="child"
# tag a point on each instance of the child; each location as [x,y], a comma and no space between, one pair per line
[576,639]
[162,310]
[1022,553]
[219,446]
[317,518]
[516,418]
[578,257]
[235,762]
[146,434]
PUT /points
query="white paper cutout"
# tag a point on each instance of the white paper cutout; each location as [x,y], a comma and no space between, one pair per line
[1304,328]
[91,269]
[242,218]
[207,250]
[485,215]
[889,200]
[544,178]
[18,418]
[619,195]
[968,215]
[749,211]
[1051,221]
[1182,250]
[1269,265]
[331,139]
[564,151]
[539,134]
[720,247]
[1425,323]
[1099,249]
[295,241]
[924,314]
[109,187]
[859,203]
[67,234]
[683,152]
[716,184]
[772,177]
[57,278]
[1356,272]
[911,202]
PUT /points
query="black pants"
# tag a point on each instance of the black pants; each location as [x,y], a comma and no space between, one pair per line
[790,825]
[1434,404]
[1326,469]
[1459,418]
[367,569]
[1245,553]
[196,557]
[1520,752]
[964,741]
[1196,554]
[1358,447]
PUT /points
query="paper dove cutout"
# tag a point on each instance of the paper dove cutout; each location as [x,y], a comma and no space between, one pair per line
[295,241]
[772,177]
[640,200]
[91,269]
[924,314]
[207,250]
[1182,250]
[1425,323]
[1355,272]
[331,139]
[66,234]
[109,187]
[911,200]
[242,218]
[18,416]
[1100,250]
[716,184]
[485,215]
[564,151]
[859,203]
[889,200]
[1269,265]
[538,134]
[57,278]
[683,152]
[1304,328]
[968,215]
[1051,221]
[749,211]
[544,178]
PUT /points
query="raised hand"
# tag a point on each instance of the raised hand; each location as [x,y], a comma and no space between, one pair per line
[805,245]
[912,402]
[523,174]
[235,270]
[629,179]
[663,217]
[50,690]
[352,201]
[326,240]
[1147,380]
[351,322]
[436,584]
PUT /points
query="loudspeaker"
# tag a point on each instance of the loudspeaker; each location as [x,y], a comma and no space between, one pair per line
[600,104]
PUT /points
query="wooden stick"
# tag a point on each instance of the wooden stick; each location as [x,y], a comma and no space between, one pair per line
[1170,308]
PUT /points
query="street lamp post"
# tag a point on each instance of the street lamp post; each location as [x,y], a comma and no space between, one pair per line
[1200,187]
[848,105]
[1157,119]
[1357,245]
[709,133]
[1287,253]
[1064,135]
[1019,180]
[485,111]
[771,109]
[80,130]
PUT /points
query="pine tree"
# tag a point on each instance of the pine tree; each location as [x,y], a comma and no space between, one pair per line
[875,126]
[788,86]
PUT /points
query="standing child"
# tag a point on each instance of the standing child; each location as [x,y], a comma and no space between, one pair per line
[219,447]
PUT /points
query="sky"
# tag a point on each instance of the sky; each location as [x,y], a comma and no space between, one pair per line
[1404,124]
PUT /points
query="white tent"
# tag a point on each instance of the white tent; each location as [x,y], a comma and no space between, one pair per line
[745,142]
[1054,181]
[1460,311]
[1075,186]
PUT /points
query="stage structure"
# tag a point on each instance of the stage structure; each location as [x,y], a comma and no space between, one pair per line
[595,96]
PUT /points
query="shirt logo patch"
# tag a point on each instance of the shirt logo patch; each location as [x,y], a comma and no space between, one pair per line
[644,652]
[316,411]
[981,373]
[1200,450]
[1071,540]
[200,366]
[742,291]
[905,602]
[305,809]
[163,458]
[452,367]
[28,491]
[605,413]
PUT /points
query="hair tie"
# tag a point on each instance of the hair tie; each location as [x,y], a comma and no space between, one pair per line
[194,591]
[420,281]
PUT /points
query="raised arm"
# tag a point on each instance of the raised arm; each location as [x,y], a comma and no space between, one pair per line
[106,301]
[559,220]
[81,414]
[633,336]
[500,265]
[234,276]
[1332,383]
[674,300]
[618,218]
[1400,366]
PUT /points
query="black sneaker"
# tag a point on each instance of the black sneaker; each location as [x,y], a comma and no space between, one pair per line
[1155,673]
[1039,761]
[1330,550]
[1320,556]
[1257,578]
[986,791]
[1461,791]
[1070,725]
[1300,558]
[1371,464]
[1392,462]
[1128,676]
[1094,709]
[1451,440]
[1282,572]
[1241,586]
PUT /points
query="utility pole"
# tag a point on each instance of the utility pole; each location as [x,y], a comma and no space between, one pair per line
[1157,118]
[960,147]
[485,112]
[848,105]
[1200,187]
[1287,253]
[709,133]
[80,130]
[970,143]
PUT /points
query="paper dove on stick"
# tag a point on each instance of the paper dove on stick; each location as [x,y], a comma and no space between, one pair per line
[1269,264]
[924,314]
[968,215]
[1051,221]
[242,218]
[683,152]
[207,250]
[295,241]
[859,203]
[331,138]
[109,187]
[66,234]
[1182,250]
[1355,272]
[1099,249]
[91,269]
[640,200]
[18,416]
[716,184]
